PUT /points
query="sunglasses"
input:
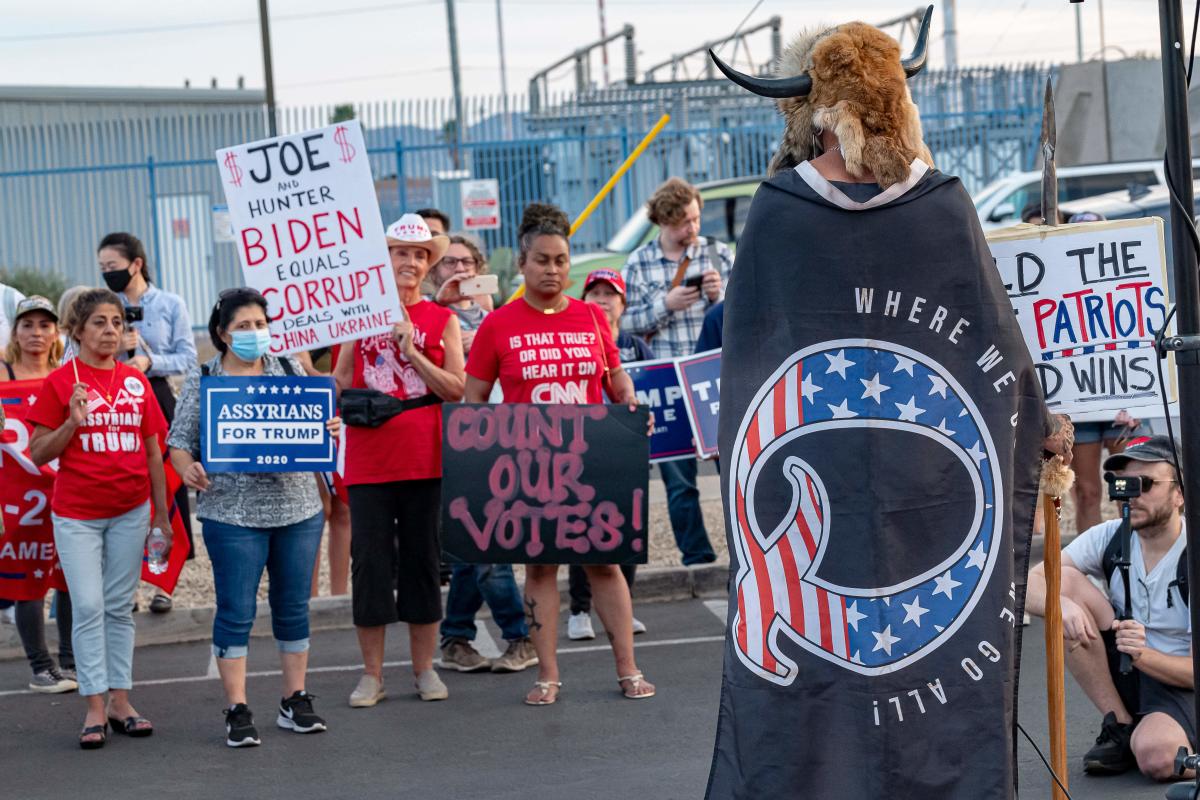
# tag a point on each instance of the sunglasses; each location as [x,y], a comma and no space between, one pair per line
[1149,483]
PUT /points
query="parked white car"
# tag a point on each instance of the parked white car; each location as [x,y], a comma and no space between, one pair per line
[1000,203]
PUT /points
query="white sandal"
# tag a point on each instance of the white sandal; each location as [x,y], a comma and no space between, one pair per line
[635,683]
[545,687]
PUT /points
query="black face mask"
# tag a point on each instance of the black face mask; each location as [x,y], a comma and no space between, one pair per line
[117,279]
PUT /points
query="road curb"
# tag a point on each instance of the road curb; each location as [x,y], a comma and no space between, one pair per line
[654,585]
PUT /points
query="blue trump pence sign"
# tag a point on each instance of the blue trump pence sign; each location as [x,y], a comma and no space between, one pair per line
[657,388]
[266,424]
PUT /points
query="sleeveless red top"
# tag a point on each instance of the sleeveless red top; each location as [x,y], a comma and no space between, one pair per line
[408,446]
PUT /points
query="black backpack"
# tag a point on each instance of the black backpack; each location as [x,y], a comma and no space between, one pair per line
[1109,564]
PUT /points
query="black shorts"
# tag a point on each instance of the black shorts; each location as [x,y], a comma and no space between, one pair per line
[1144,695]
[395,552]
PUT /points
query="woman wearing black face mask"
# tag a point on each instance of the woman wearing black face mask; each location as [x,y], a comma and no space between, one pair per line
[160,344]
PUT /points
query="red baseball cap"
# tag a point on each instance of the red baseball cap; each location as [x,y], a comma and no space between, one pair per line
[610,276]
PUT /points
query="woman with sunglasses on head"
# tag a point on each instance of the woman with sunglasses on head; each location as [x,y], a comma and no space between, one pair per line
[545,261]
[159,344]
[33,352]
[253,521]
[99,418]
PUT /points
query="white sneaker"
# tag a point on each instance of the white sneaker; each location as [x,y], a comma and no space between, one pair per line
[579,627]
[430,687]
[368,692]
[638,626]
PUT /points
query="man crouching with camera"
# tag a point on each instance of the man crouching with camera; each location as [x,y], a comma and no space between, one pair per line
[1134,664]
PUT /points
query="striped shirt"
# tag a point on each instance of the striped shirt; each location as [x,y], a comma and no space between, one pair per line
[648,275]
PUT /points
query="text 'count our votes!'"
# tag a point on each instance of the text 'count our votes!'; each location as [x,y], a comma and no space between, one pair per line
[546,484]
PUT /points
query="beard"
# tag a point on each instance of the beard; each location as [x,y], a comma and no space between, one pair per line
[1156,517]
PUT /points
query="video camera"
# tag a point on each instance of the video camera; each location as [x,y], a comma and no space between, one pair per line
[1122,488]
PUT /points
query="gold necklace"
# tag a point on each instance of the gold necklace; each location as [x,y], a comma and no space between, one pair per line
[562,306]
[111,380]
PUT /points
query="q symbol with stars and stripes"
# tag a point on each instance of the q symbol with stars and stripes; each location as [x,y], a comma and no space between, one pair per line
[867,567]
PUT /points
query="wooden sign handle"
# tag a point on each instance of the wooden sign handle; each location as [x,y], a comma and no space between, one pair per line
[1056,707]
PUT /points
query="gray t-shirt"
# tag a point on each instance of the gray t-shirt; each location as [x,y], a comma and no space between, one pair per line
[1168,627]
[248,499]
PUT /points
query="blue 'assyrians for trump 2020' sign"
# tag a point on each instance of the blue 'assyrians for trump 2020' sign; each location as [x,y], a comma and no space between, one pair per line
[266,424]
[870,630]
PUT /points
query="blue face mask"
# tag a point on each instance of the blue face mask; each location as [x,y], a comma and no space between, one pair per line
[249,346]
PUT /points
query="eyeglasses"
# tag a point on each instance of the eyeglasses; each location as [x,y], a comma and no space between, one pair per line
[1148,482]
[453,262]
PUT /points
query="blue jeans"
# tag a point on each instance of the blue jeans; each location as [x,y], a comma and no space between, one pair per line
[102,560]
[238,557]
[470,586]
[683,507]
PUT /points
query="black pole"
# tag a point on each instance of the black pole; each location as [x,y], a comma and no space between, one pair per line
[1187,293]
[268,71]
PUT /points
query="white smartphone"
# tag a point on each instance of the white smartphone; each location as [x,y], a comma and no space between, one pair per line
[480,284]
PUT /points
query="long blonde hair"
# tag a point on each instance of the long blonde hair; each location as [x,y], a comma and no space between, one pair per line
[12,353]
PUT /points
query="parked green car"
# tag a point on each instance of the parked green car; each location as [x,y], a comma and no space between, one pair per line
[726,204]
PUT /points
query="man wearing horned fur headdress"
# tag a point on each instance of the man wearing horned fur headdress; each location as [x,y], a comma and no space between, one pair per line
[881,475]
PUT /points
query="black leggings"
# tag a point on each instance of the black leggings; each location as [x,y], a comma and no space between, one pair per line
[581,590]
[31,625]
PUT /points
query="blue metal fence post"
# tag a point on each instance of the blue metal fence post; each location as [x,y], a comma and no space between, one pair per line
[154,214]
[401,183]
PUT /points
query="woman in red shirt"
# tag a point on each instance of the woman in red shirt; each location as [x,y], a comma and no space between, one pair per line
[99,418]
[394,471]
[507,348]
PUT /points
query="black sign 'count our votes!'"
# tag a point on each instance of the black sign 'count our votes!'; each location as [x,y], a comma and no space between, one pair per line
[545,484]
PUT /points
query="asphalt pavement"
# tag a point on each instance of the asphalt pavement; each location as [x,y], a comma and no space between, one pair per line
[482,742]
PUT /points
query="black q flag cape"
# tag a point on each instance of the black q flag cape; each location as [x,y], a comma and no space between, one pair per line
[881,429]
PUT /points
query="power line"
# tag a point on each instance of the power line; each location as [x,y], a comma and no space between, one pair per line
[221,23]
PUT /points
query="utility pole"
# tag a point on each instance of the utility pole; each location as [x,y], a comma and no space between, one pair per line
[1079,32]
[951,34]
[1186,343]
[268,70]
[503,71]
[460,133]
[603,38]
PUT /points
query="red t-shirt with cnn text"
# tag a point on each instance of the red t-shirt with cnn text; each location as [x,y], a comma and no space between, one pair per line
[545,358]
[102,472]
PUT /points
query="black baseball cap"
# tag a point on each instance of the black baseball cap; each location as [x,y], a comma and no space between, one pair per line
[1152,448]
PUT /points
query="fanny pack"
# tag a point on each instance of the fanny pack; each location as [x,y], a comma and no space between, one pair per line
[369,408]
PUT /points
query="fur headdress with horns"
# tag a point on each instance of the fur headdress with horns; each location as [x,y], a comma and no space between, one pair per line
[849,79]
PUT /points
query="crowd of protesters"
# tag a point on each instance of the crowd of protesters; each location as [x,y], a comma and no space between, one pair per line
[110,361]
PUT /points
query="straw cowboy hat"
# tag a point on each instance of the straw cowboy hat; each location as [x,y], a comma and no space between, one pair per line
[411,230]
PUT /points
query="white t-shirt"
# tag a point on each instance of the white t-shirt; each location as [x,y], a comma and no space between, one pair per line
[9,297]
[1168,628]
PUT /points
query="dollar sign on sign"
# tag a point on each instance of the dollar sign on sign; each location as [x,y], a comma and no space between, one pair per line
[348,151]
[235,172]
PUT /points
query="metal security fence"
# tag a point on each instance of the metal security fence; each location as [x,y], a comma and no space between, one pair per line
[65,183]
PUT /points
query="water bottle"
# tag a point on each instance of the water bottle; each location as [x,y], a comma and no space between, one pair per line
[156,551]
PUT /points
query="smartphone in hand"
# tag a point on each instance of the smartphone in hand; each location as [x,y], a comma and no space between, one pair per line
[480,284]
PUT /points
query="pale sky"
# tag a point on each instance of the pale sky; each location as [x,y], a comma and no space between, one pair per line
[363,50]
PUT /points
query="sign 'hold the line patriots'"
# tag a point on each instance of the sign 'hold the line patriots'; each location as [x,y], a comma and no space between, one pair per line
[881,439]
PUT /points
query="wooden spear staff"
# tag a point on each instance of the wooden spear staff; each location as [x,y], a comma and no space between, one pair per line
[1056,479]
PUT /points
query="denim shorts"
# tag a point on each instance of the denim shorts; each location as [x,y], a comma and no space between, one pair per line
[1092,432]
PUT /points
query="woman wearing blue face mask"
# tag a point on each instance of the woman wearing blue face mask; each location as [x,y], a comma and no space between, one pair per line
[252,521]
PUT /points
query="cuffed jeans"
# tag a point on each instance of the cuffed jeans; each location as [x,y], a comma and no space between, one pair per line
[683,507]
[473,584]
[31,625]
[102,560]
[238,557]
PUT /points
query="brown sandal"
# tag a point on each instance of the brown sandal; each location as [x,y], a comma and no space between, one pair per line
[636,682]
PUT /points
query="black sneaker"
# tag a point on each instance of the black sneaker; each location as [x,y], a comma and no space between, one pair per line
[1111,754]
[239,727]
[296,714]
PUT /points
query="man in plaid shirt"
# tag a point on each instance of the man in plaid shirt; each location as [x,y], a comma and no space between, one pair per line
[671,282]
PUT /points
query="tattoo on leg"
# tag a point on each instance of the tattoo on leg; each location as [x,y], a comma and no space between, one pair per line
[531,614]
